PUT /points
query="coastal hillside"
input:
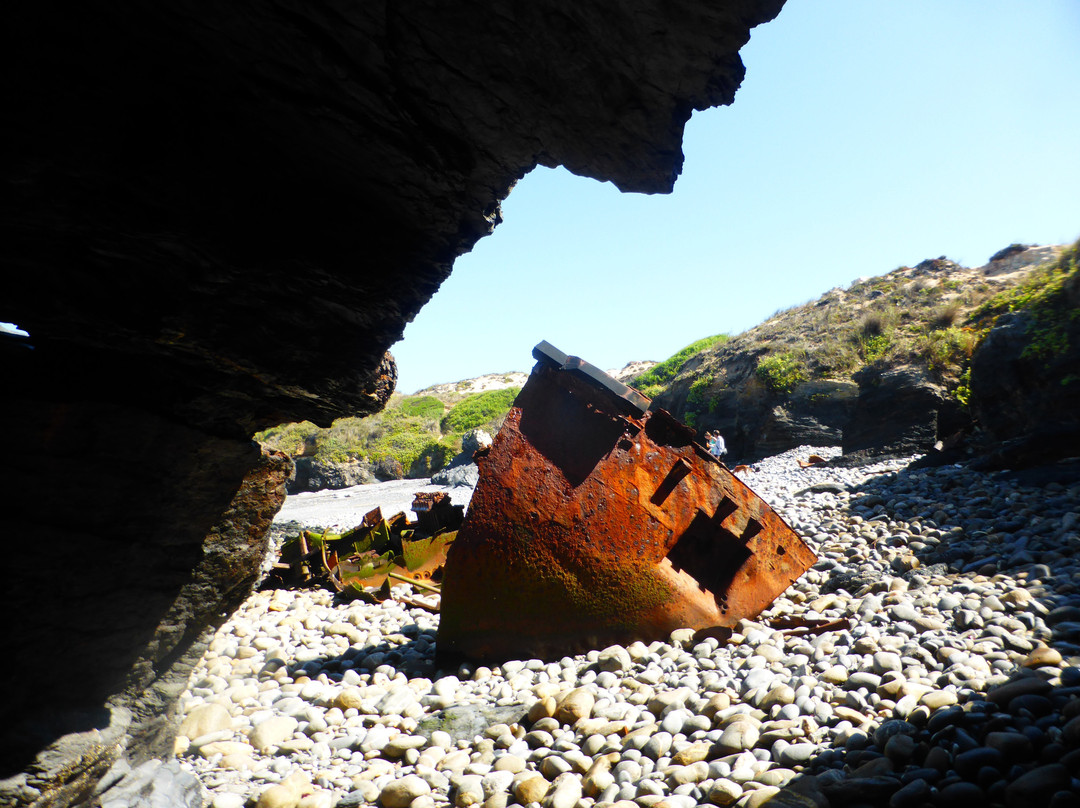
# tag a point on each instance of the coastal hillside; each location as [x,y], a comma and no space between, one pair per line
[415,436]
[935,357]
[884,365]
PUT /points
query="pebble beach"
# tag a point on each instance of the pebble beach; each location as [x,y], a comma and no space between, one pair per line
[950,676]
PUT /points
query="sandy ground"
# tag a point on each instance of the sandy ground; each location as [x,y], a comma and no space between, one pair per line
[345,507]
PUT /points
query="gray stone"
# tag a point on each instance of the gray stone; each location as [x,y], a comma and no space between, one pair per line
[1037,786]
[152,784]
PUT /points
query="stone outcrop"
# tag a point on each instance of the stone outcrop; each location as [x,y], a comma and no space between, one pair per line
[319,475]
[758,423]
[463,470]
[815,414]
[219,218]
[909,398]
[1025,389]
[896,411]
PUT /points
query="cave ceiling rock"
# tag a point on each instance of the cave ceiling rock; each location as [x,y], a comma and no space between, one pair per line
[219,218]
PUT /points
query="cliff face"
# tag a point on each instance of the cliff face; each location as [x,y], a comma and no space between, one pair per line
[219,218]
[879,367]
[1025,389]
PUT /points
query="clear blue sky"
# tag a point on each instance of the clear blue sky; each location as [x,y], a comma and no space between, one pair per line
[867,135]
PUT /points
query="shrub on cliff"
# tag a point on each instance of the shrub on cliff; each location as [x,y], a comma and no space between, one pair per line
[1045,298]
[479,410]
[293,439]
[781,372]
[652,382]
[423,407]
[413,436]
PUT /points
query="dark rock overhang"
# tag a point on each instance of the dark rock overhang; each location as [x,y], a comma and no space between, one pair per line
[219,217]
[248,201]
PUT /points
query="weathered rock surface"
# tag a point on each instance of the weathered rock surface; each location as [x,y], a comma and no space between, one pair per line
[816,413]
[319,475]
[463,470]
[218,219]
[896,411]
[1025,393]
[756,423]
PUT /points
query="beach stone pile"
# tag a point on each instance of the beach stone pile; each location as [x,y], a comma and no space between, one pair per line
[948,674]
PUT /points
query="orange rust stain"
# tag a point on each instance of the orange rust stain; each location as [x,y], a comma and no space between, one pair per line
[595,523]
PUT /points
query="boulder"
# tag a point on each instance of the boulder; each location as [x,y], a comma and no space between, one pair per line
[896,412]
[466,476]
[1027,400]
[462,470]
[319,475]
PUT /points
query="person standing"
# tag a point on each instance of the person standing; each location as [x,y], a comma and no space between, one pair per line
[719,448]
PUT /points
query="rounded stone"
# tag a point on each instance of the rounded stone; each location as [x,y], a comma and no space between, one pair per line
[401,793]
[316,799]
[1037,786]
[761,797]
[204,719]
[1042,656]
[272,732]
[496,782]
[278,796]
[724,792]
[797,754]
[349,698]
[615,659]
[899,748]
[961,795]
[509,763]
[781,694]
[531,789]
[225,799]
[912,795]
[576,704]
[658,745]
[470,791]
[565,792]
[968,764]
[697,751]
[398,745]
[937,699]
[739,736]
[890,728]
[886,661]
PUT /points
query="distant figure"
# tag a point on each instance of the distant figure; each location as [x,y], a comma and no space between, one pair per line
[717,447]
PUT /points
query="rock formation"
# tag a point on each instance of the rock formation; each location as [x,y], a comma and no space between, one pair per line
[219,218]
[1025,385]
[896,412]
[906,399]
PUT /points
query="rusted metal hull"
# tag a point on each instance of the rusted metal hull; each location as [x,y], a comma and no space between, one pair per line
[596,522]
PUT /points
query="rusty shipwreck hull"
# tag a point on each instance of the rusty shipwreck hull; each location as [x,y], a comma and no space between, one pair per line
[597,522]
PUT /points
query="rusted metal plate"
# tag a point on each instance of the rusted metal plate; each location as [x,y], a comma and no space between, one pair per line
[597,522]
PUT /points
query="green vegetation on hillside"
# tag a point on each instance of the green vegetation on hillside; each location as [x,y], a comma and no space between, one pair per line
[293,439]
[1044,297]
[652,382]
[421,433]
[423,406]
[929,316]
[781,372]
[478,410]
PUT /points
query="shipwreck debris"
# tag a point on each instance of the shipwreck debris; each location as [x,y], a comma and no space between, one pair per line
[597,521]
[376,552]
